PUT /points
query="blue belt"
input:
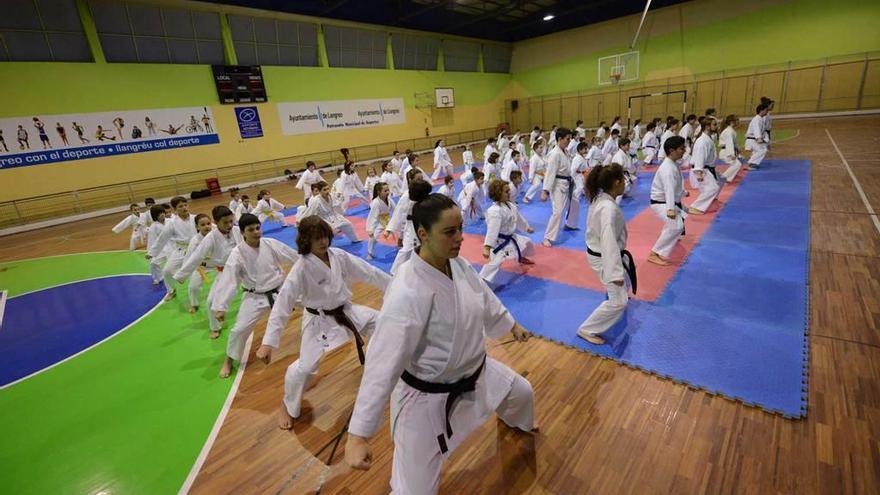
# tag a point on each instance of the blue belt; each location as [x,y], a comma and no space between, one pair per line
[507,239]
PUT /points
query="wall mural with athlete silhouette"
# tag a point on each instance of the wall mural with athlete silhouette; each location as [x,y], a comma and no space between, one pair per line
[41,139]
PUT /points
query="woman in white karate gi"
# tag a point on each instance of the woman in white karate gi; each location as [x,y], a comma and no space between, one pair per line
[330,211]
[401,219]
[428,354]
[442,161]
[667,189]
[729,150]
[321,282]
[257,264]
[537,167]
[704,176]
[381,209]
[502,242]
[471,199]
[650,144]
[212,253]
[606,250]
[268,208]
[133,220]
[558,187]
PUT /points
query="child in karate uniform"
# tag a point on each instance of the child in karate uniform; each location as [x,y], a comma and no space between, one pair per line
[133,220]
[268,208]
[471,199]
[502,242]
[197,277]
[321,282]
[370,183]
[606,250]
[330,211]
[448,187]
[537,166]
[395,183]
[381,209]
[467,156]
[156,253]
[667,189]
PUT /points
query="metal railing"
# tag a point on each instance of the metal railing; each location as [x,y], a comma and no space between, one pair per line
[41,208]
[845,83]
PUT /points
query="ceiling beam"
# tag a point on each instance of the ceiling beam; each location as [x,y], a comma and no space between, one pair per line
[511,5]
[427,8]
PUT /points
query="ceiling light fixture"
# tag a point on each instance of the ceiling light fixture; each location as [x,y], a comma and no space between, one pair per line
[549,17]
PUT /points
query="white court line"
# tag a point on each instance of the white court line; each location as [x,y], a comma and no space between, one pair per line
[2,306]
[856,182]
[203,455]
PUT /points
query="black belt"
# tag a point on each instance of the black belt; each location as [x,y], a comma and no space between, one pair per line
[339,315]
[630,268]
[570,191]
[455,390]
[652,147]
[270,294]
[748,137]
[658,202]
[507,240]
[712,169]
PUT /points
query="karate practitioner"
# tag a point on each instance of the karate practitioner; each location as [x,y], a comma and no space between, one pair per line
[502,242]
[370,183]
[610,147]
[768,119]
[650,144]
[395,162]
[212,253]
[330,211]
[428,355]
[133,220]
[321,281]
[442,161]
[310,176]
[704,177]
[635,137]
[236,199]
[606,250]
[579,169]
[401,220]
[594,156]
[670,131]
[268,208]
[156,254]
[381,209]
[176,234]
[513,163]
[395,183]
[468,176]
[537,166]
[558,187]
[471,199]
[448,187]
[601,130]
[244,207]
[256,264]
[579,131]
[667,189]
[467,156]
[352,187]
[730,152]
[630,170]
[196,280]
[488,150]
[755,138]
[615,124]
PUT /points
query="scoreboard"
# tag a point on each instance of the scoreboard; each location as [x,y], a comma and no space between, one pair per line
[239,83]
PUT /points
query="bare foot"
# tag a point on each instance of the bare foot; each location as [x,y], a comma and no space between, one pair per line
[657,259]
[170,295]
[193,309]
[547,243]
[593,339]
[526,261]
[214,334]
[370,257]
[285,420]
[694,211]
[156,282]
[525,201]
[226,369]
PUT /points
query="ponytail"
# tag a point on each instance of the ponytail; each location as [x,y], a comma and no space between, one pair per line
[602,179]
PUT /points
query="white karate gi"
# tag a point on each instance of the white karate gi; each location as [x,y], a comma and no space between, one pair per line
[259,271]
[467,156]
[487,152]
[755,141]
[156,251]
[396,163]
[609,148]
[580,132]
[537,166]
[631,172]
[137,230]
[144,222]
[448,191]
[650,147]
[768,126]
[370,184]
[352,187]
[661,153]
[558,184]
[402,226]
[213,251]
[395,183]
[234,204]
[551,143]
[471,200]
[594,157]
[617,126]
[578,168]
[704,159]
[600,133]
[306,180]
[194,287]
[503,144]
[466,177]
[504,219]
[377,221]
[437,334]
[606,235]
[322,288]
[442,163]
[175,237]
[729,153]
[668,187]
[509,166]
[636,139]
[269,209]
[241,210]
[329,211]
[687,132]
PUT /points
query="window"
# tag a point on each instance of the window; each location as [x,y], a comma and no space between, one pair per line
[351,47]
[135,32]
[414,52]
[496,58]
[460,56]
[42,31]
[264,41]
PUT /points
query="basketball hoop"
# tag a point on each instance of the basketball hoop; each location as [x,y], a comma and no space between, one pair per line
[616,72]
[614,78]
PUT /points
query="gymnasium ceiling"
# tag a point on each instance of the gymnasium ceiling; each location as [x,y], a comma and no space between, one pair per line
[499,20]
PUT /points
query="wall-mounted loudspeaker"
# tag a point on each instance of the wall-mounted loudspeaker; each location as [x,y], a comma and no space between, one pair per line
[514,104]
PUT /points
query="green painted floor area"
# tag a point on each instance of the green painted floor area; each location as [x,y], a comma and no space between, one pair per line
[128,416]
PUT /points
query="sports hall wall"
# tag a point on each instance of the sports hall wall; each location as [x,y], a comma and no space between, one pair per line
[697,38]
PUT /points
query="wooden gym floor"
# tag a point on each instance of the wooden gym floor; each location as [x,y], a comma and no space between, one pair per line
[605,428]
